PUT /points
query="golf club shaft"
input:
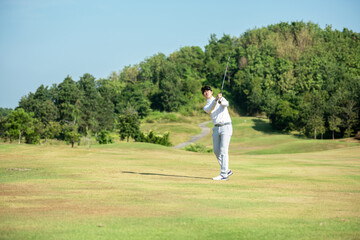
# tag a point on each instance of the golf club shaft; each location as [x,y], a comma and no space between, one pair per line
[222,86]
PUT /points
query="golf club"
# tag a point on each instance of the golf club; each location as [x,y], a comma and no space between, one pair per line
[222,86]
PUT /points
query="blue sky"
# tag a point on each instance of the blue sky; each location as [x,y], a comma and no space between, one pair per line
[43,41]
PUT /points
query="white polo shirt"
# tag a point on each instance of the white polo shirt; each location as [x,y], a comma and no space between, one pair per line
[218,112]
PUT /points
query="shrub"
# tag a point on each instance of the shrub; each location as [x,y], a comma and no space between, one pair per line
[197,147]
[104,137]
[153,138]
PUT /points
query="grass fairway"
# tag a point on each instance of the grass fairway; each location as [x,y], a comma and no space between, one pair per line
[283,187]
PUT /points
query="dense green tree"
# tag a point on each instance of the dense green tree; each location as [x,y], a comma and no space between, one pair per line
[51,130]
[4,112]
[286,62]
[171,96]
[34,131]
[128,123]
[285,116]
[41,103]
[89,104]
[189,66]
[302,77]
[134,95]
[189,62]
[152,69]
[334,125]
[70,133]
[67,100]
[129,74]
[105,115]
[350,113]
[17,124]
[104,137]
[110,89]
[216,56]
[312,114]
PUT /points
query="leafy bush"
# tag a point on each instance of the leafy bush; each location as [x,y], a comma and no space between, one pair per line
[197,147]
[71,134]
[128,123]
[104,137]
[151,137]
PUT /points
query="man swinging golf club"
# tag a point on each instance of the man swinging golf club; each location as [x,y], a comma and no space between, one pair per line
[222,131]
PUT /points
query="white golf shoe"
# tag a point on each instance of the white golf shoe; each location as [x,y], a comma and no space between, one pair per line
[221,177]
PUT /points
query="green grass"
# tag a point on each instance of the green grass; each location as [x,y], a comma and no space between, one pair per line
[283,187]
[181,128]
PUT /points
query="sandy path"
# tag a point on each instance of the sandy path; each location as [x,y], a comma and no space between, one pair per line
[204,131]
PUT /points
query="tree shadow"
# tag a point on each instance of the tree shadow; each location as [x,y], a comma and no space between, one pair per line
[164,175]
[265,127]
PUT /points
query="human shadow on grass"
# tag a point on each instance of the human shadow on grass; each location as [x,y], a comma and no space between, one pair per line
[164,175]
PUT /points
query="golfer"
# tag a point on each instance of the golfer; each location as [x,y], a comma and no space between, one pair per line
[222,131]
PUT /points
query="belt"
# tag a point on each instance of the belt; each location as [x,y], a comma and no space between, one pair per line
[223,124]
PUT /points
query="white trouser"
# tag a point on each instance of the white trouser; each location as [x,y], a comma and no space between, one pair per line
[221,140]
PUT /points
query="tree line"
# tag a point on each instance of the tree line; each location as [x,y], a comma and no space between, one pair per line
[304,78]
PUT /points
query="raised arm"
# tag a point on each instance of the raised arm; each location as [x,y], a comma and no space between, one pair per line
[209,106]
[224,102]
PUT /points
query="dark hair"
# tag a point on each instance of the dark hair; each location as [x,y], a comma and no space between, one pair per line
[205,88]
